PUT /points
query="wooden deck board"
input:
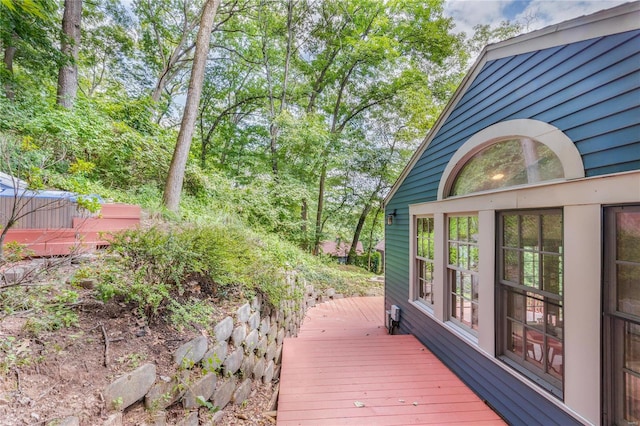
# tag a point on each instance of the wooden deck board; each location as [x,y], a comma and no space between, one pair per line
[343,354]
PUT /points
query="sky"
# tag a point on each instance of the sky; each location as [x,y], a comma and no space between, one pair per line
[532,14]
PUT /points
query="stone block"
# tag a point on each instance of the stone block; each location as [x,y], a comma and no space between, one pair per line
[251,341]
[68,421]
[338,296]
[233,362]
[191,352]
[311,302]
[238,335]
[130,387]
[204,387]
[224,392]
[273,332]
[278,358]
[258,369]
[256,302]
[254,321]
[280,336]
[113,420]
[261,347]
[223,329]
[330,292]
[13,274]
[164,393]
[247,365]
[276,371]
[159,418]
[271,351]
[243,313]
[213,359]
[265,324]
[190,419]
[242,392]
[267,377]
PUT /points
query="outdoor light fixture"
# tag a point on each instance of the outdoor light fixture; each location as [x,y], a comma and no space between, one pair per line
[390,217]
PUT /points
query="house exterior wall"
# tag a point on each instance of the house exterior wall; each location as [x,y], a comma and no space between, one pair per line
[589,91]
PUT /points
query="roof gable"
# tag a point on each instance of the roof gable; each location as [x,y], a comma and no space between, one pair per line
[598,53]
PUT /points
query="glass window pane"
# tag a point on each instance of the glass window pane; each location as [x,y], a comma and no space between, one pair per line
[632,398]
[430,251]
[530,232]
[453,228]
[466,312]
[535,347]
[475,287]
[530,267]
[551,267]
[453,254]
[507,163]
[511,267]
[632,347]
[627,277]
[515,340]
[474,316]
[466,285]
[463,228]
[473,229]
[552,233]
[555,362]
[535,310]
[474,258]
[628,236]
[555,319]
[510,231]
[515,305]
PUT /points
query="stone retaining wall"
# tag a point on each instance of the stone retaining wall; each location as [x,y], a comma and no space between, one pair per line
[215,372]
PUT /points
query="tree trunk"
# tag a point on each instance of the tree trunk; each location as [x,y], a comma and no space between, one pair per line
[304,216]
[351,257]
[175,179]
[9,54]
[323,178]
[68,74]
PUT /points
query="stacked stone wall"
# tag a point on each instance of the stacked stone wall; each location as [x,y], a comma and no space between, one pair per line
[244,348]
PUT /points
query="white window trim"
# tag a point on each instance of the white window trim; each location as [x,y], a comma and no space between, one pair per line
[582,201]
[540,131]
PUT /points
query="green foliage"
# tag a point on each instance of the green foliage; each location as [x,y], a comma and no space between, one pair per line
[362,261]
[15,252]
[55,314]
[193,314]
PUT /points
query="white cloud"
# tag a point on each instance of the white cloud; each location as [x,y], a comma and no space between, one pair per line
[536,14]
[548,12]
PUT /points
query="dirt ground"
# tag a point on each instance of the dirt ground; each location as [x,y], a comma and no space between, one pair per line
[63,373]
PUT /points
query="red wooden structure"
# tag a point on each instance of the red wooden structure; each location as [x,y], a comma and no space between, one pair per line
[85,233]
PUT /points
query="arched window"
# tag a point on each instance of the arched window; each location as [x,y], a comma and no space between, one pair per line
[511,153]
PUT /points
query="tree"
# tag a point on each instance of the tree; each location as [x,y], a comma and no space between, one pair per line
[68,75]
[175,178]
[27,36]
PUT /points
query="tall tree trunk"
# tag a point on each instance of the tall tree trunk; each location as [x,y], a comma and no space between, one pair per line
[351,257]
[9,54]
[323,178]
[304,216]
[175,179]
[68,74]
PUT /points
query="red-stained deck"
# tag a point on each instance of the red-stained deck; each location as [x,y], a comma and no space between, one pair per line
[343,356]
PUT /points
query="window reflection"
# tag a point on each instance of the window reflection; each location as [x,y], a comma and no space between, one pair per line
[463,270]
[507,163]
[424,258]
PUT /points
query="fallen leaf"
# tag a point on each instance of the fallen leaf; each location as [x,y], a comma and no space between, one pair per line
[358,404]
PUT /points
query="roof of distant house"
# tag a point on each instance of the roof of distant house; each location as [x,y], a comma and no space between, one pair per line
[339,249]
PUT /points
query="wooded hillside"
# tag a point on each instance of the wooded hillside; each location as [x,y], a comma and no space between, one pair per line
[306,111]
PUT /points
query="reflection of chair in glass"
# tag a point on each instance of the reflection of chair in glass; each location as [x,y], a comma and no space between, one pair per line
[534,350]
[555,359]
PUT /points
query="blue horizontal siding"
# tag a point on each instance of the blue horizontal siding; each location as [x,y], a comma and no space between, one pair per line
[591,91]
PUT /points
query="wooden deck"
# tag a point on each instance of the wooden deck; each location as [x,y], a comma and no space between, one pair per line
[343,357]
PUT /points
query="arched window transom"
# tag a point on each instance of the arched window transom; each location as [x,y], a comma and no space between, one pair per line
[510,162]
[509,154]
